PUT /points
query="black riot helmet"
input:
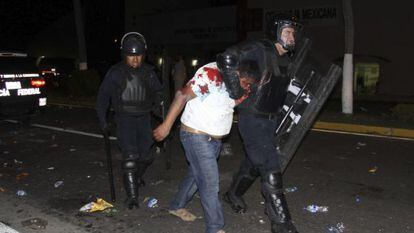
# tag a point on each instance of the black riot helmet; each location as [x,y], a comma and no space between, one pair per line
[133,44]
[275,25]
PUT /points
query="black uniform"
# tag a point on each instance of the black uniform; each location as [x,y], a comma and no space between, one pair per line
[132,92]
[257,124]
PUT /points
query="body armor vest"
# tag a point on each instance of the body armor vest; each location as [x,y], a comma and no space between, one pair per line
[135,95]
[268,94]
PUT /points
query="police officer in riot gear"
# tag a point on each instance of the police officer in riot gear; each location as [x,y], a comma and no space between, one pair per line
[258,117]
[132,88]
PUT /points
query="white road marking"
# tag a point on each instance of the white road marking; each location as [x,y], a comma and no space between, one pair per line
[362,134]
[65,130]
[114,138]
[6,229]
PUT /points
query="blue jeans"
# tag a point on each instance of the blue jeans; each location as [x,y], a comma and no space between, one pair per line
[202,153]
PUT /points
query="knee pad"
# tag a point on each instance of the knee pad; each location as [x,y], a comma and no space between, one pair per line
[274,179]
[130,165]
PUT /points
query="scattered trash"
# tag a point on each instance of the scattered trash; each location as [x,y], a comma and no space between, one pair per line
[72,149]
[151,202]
[99,205]
[226,149]
[110,211]
[262,203]
[21,175]
[362,144]
[315,208]
[338,228]
[373,170]
[157,182]
[2,190]
[21,193]
[35,223]
[291,189]
[6,152]
[51,168]
[261,221]
[5,164]
[357,148]
[17,161]
[88,177]
[357,199]
[58,183]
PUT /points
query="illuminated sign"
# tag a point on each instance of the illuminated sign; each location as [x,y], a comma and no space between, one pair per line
[28,91]
[4,92]
[13,85]
[42,101]
[34,75]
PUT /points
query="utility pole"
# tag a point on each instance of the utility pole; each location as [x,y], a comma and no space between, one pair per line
[348,66]
[83,64]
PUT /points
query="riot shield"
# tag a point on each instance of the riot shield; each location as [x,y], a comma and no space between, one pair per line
[311,85]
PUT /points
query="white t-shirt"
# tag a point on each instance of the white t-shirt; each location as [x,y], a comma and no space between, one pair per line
[212,109]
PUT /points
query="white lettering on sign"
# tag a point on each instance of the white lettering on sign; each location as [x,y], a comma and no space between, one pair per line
[34,75]
[4,92]
[28,91]
[13,85]
[314,16]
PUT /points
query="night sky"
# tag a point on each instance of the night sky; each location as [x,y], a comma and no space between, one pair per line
[21,20]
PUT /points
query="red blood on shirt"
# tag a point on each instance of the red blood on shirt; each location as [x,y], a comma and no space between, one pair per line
[213,75]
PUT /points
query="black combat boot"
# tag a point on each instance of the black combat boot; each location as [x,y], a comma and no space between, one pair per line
[275,204]
[241,183]
[131,183]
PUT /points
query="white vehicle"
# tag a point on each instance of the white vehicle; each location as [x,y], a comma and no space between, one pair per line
[22,89]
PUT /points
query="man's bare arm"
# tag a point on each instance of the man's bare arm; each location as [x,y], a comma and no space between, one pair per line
[181,98]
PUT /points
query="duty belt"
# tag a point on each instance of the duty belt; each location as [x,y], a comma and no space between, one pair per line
[269,116]
[196,131]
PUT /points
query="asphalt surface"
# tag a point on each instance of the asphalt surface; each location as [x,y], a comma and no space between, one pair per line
[365,182]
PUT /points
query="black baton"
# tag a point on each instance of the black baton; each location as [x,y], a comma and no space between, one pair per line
[109,164]
[164,143]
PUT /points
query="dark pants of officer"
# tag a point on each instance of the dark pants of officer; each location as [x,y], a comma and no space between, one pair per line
[134,135]
[262,159]
[258,139]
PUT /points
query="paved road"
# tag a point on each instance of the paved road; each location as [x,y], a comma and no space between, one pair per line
[365,182]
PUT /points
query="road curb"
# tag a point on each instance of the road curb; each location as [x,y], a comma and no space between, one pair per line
[365,129]
[322,125]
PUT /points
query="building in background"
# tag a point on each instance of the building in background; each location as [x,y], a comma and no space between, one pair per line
[201,29]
